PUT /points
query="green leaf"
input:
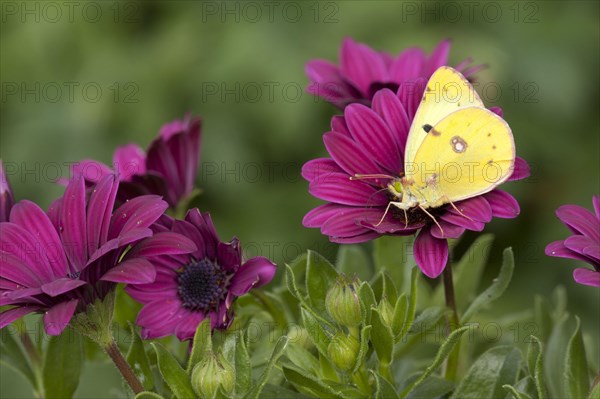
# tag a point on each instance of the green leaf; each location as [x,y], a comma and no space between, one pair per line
[290,280]
[276,391]
[554,357]
[432,387]
[13,354]
[383,388]
[391,253]
[441,355]
[535,364]
[310,384]
[278,351]
[62,366]
[426,320]
[595,393]
[497,367]
[320,275]
[202,344]
[389,288]
[138,360]
[542,317]
[517,394]
[382,337]
[467,272]
[400,313]
[172,372]
[367,300]
[365,336]
[148,395]
[352,259]
[302,358]
[497,288]
[243,367]
[577,383]
[316,332]
[412,304]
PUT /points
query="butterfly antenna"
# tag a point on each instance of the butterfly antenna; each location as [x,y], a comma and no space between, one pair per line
[459,211]
[432,218]
[359,176]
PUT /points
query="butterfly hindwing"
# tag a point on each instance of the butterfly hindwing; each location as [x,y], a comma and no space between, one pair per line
[447,91]
[467,153]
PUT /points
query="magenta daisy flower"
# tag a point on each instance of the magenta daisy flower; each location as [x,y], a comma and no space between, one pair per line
[371,141]
[584,244]
[7,200]
[363,71]
[58,262]
[189,288]
[168,168]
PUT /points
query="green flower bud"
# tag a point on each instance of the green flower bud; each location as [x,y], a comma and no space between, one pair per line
[211,373]
[342,302]
[386,310]
[343,350]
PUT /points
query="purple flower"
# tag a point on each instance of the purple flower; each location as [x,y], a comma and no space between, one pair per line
[363,71]
[371,141]
[584,244]
[168,168]
[189,288]
[7,200]
[57,262]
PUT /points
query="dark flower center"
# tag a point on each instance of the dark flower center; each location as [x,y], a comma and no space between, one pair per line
[202,285]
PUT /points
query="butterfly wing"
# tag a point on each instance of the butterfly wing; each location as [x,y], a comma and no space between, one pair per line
[447,90]
[466,154]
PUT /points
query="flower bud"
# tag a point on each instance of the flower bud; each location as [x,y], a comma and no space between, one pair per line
[343,350]
[7,200]
[386,311]
[211,373]
[342,302]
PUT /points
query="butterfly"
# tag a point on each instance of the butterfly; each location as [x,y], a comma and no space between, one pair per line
[456,148]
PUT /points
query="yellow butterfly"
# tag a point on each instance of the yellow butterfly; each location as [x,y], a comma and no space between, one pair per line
[456,148]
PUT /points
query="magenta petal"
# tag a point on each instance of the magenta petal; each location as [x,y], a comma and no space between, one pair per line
[8,316]
[558,249]
[318,216]
[431,254]
[387,105]
[596,203]
[349,155]
[186,328]
[449,230]
[476,208]
[137,213]
[91,170]
[129,160]
[316,168]
[26,251]
[580,220]
[503,204]
[345,222]
[33,219]
[408,65]
[322,71]
[23,293]
[521,170]
[131,271]
[61,286]
[158,312]
[12,268]
[579,243]
[338,124]
[361,65]
[99,210]
[462,221]
[410,94]
[255,273]
[338,188]
[229,254]
[371,235]
[438,58]
[73,223]
[587,277]
[372,134]
[59,316]
[164,244]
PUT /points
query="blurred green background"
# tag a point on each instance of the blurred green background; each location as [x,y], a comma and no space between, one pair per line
[241,67]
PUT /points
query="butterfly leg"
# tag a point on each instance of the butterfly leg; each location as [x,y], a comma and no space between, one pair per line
[459,211]
[432,218]
[387,209]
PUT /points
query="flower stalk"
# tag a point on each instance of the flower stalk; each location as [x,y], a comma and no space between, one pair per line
[452,321]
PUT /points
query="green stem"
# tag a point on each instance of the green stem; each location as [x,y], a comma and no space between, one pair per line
[384,370]
[113,351]
[452,322]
